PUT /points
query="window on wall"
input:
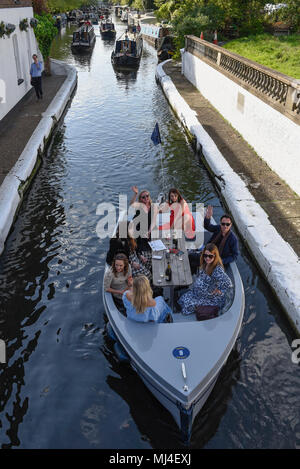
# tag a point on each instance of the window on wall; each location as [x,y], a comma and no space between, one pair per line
[17,59]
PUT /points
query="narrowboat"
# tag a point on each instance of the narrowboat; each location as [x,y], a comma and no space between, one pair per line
[128,50]
[84,38]
[107,29]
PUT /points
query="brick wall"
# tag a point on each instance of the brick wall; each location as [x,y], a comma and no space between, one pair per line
[15,3]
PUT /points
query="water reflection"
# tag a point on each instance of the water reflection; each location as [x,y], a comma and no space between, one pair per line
[124,74]
[83,58]
[23,307]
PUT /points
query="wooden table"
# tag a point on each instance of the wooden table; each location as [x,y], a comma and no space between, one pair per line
[180,266]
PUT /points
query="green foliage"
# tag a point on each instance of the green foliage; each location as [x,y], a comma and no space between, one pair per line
[23,25]
[45,32]
[291,14]
[166,9]
[6,29]
[2,29]
[279,53]
[60,6]
[245,15]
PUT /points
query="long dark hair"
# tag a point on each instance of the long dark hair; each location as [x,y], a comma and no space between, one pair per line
[174,191]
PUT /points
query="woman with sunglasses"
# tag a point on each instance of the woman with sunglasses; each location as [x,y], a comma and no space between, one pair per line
[141,306]
[211,284]
[142,224]
[181,217]
[118,278]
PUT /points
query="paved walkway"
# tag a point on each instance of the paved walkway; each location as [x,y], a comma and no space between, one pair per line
[17,128]
[280,203]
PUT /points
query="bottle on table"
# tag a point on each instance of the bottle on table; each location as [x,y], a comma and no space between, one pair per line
[168,273]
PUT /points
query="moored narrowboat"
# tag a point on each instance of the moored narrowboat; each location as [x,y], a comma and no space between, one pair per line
[107,29]
[128,50]
[84,38]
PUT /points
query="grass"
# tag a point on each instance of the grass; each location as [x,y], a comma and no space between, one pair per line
[279,53]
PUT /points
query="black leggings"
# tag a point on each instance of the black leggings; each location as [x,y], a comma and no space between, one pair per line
[37,84]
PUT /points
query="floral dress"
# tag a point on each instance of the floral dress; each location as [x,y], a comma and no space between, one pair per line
[200,293]
[156,313]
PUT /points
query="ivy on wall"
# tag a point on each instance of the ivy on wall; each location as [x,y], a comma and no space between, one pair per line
[6,29]
[23,25]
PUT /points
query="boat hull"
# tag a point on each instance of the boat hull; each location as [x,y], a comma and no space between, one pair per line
[125,60]
[183,408]
[82,47]
[108,34]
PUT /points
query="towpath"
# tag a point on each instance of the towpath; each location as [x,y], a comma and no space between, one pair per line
[17,127]
[280,203]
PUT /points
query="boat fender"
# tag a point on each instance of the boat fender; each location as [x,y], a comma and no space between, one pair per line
[120,352]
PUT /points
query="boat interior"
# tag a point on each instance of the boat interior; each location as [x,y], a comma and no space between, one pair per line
[170,294]
[126,45]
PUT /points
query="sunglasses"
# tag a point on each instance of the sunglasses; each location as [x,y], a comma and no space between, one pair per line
[225,224]
[145,196]
[210,256]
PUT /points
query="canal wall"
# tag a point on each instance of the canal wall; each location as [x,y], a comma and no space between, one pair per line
[19,177]
[276,259]
[261,104]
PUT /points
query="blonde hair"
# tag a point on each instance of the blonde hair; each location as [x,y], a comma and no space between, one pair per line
[140,196]
[217,260]
[141,293]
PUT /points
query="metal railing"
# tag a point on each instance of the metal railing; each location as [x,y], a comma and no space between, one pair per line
[281,91]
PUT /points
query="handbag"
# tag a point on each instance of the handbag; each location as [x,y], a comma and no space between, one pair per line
[204,312]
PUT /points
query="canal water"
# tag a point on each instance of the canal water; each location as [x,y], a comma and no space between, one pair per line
[62,386]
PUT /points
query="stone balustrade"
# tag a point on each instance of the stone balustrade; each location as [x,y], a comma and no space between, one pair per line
[276,89]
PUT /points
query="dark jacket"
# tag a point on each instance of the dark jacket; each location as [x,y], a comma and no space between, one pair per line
[116,246]
[230,250]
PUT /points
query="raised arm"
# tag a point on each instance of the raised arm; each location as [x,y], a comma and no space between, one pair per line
[135,193]
[207,224]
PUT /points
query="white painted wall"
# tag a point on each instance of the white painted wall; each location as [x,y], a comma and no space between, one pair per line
[274,137]
[10,91]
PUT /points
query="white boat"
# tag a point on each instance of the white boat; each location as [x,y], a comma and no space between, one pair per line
[180,362]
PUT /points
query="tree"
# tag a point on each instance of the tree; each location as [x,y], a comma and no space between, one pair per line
[40,6]
[45,32]
[291,14]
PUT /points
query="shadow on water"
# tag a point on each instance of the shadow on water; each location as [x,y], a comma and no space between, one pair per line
[22,307]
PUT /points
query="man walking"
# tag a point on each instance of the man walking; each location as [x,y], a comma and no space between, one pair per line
[36,76]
